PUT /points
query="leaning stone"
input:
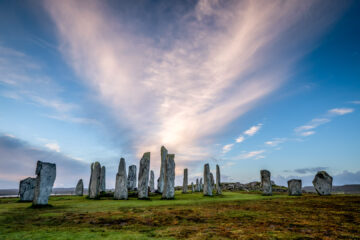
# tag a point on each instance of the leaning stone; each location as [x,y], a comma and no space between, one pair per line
[131,180]
[79,190]
[46,174]
[197,187]
[218,184]
[185,181]
[207,181]
[102,179]
[143,191]
[94,185]
[121,190]
[169,177]
[323,183]
[294,187]
[266,183]
[192,187]
[27,189]
[152,187]
[161,181]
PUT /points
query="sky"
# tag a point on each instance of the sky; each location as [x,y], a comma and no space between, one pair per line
[248,85]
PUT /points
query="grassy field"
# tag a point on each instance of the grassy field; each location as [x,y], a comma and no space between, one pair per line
[189,216]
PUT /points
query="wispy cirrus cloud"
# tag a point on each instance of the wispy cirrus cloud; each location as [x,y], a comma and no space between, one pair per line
[341,111]
[195,74]
[227,148]
[251,155]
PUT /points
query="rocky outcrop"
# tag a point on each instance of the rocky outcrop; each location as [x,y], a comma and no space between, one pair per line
[323,183]
[121,190]
[79,190]
[46,174]
[144,170]
[27,189]
[169,183]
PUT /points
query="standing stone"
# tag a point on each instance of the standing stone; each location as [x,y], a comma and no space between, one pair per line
[212,180]
[79,190]
[294,187]
[152,179]
[131,180]
[102,179]
[201,185]
[323,183]
[207,181]
[94,185]
[27,189]
[266,183]
[169,177]
[46,174]
[192,187]
[161,181]
[185,181]
[218,184]
[143,191]
[121,190]
[197,187]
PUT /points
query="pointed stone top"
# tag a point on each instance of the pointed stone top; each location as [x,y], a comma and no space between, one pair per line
[163,148]
[146,155]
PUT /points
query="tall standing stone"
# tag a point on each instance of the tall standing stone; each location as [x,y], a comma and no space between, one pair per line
[192,187]
[323,183]
[207,181]
[102,179]
[143,191]
[121,190]
[27,189]
[152,179]
[94,185]
[212,180]
[79,190]
[46,174]
[169,176]
[131,180]
[161,182]
[218,184]
[185,181]
[197,187]
[201,185]
[294,187]
[266,183]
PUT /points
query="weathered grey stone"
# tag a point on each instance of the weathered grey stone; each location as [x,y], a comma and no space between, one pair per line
[201,185]
[185,181]
[102,179]
[294,187]
[79,190]
[121,190]
[131,180]
[152,184]
[197,186]
[323,183]
[46,174]
[265,182]
[144,169]
[212,180]
[161,181]
[169,177]
[94,184]
[27,189]
[192,187]
[207,181]
[218,184]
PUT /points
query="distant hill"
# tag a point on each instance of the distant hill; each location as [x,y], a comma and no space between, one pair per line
[346,189]
[56,191]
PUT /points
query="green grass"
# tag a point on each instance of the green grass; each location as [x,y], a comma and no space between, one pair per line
[190,216]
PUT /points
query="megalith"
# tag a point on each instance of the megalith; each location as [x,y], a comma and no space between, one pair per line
[121,190]
[266,183]
[207,181]
[27,189]
[152,179]
[294,187]
[144,169]
[169,177]
[218,184]
[185,181]
[102,179]
[79,190]
[197,186]
[323,183]
[201,185]
[131,180]
[192,187]
[161,182]
[212,180]
[46,174]
[94,184]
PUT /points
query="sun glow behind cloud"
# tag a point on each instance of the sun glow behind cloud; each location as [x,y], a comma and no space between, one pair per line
[180,91]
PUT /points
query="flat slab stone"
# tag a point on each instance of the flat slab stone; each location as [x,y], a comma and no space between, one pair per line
[102,179]
[266,183]
[94,184]
[323,183]
[169,183]
[144,171]
[27,189]
[294,187]
[207,181]
[46,174]
[161,181]
[131,180]
[121,185]
[79,190]
[152,180]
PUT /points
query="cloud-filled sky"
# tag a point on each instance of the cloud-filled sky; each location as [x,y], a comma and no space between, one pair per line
[247,85]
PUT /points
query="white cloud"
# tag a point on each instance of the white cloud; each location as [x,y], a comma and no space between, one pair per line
[307,133]
[355,102]
[240,139]
[253,130]
[252,154]
[53,146]
[227,148]
[312,124]
[341,111]
[275,142]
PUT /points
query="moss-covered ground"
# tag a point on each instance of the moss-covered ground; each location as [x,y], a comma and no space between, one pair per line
[190,216]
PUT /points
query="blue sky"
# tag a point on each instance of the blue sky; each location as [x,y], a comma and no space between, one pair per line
[248,85]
